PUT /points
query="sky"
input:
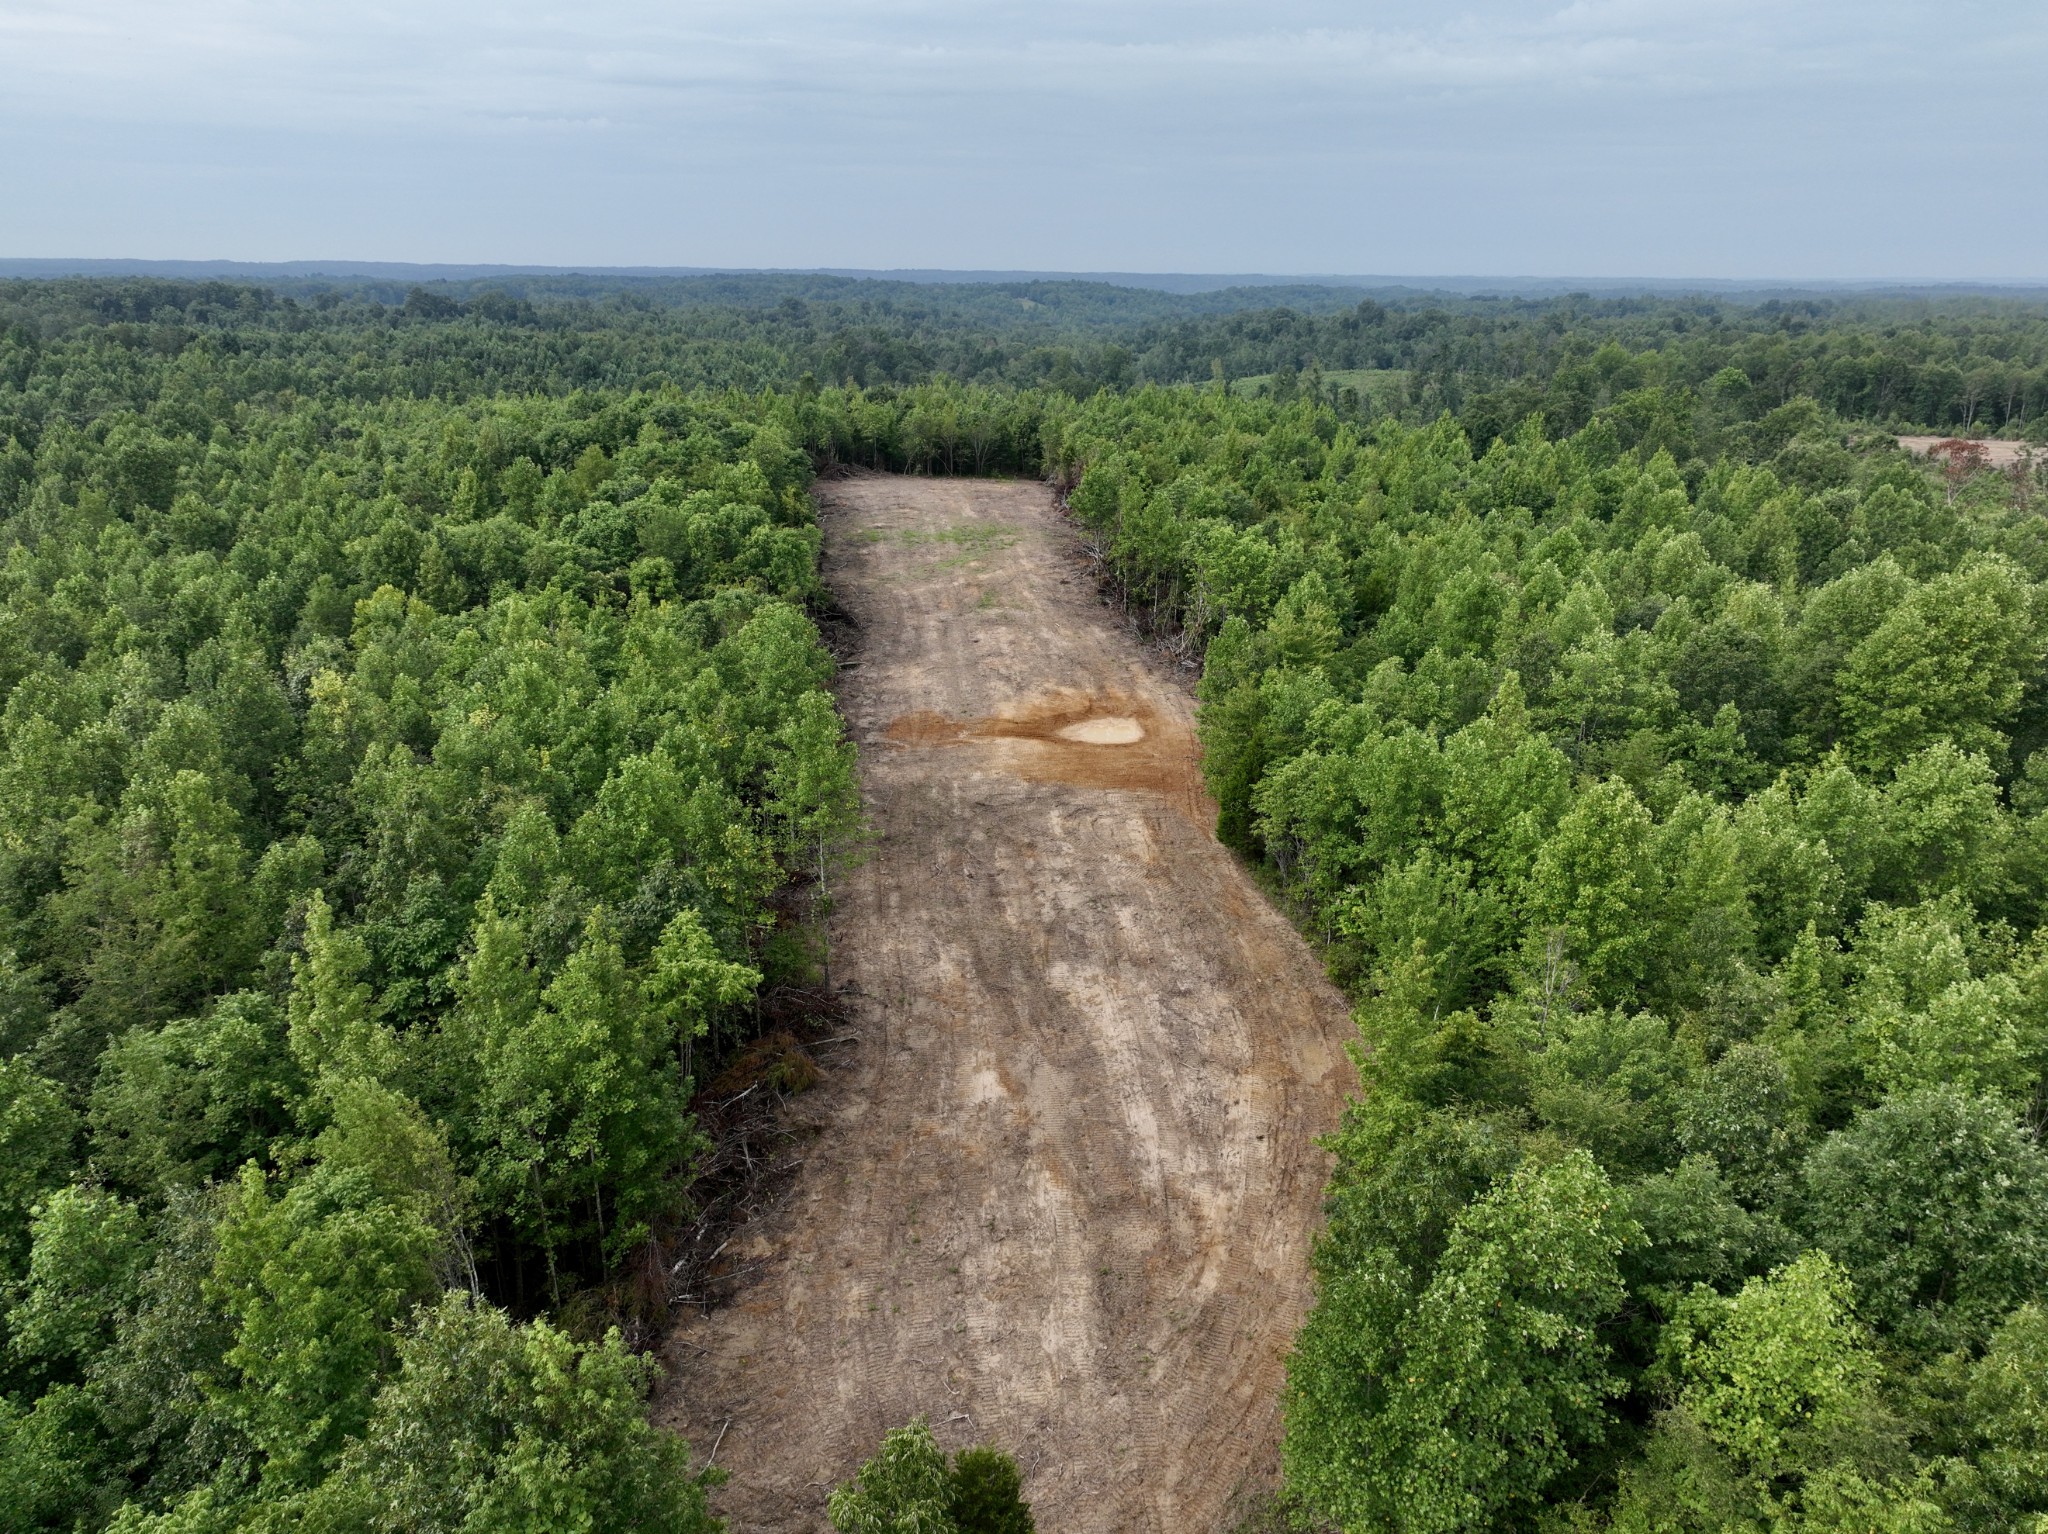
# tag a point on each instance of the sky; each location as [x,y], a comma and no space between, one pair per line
[1795,139]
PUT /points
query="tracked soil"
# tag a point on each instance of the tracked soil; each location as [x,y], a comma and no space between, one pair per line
[1061,1191]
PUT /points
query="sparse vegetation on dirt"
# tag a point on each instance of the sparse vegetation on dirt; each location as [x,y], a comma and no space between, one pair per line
[1061,1195]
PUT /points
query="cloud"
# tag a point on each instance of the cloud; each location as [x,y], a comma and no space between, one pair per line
[231,61]
[1274,126]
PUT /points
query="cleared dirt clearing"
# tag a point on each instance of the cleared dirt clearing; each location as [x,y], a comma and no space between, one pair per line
[1061,1194]
[1998,454]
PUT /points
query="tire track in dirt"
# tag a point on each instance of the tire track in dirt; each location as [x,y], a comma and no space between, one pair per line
[1062,1192]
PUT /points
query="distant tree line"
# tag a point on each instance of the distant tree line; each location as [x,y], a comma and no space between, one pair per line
[1904,362]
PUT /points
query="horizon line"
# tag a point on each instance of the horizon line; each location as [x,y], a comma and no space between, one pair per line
[1468,283]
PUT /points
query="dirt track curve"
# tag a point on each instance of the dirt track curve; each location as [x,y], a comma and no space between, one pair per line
[1061,1194]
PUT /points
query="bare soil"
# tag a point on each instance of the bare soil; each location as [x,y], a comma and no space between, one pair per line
[1060,1194]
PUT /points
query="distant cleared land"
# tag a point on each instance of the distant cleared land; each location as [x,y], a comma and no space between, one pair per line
[1997,454]
[1377,384]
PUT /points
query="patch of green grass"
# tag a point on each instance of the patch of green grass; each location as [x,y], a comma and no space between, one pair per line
[977,536]
[1367,381]
[972,539]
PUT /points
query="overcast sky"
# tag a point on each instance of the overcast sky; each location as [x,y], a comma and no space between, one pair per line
[1728,138]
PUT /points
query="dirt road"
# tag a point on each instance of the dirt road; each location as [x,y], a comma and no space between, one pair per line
[1061,1194]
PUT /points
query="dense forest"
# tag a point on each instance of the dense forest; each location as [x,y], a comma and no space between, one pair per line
[1681,827]
[418,769]
[400,799]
